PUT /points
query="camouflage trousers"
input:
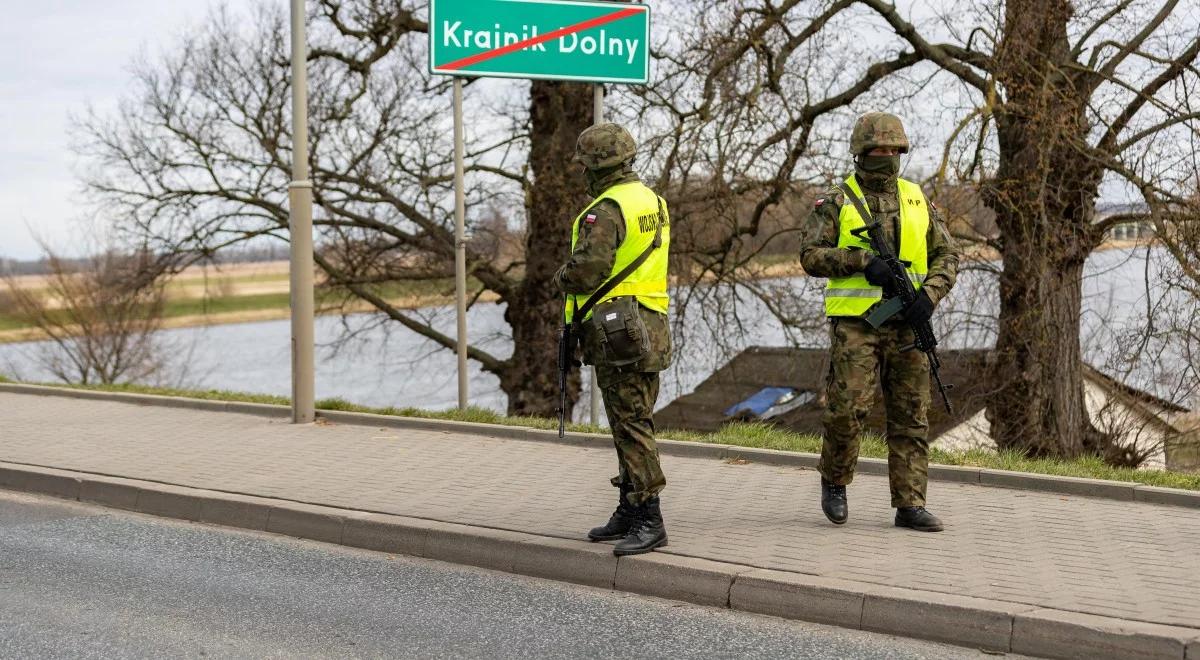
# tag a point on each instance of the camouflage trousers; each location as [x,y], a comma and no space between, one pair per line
[861,357]
[629,399]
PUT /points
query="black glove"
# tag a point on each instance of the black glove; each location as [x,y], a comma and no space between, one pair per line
[878,273]
[919,310]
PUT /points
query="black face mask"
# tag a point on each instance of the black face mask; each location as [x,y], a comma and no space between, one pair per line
[888,166]
[878,173]
[594,181]
[599,180]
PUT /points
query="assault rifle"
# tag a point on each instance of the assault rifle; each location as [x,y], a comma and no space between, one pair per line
[566,359]
[901,290]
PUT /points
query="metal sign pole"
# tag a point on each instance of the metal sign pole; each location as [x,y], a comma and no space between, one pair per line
[618,53]
[594,389]
[460,245]
[300,221]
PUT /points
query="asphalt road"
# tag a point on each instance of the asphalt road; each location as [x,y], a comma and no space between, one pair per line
[85,582]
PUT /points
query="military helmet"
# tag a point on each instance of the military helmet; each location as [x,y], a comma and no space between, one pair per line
[878,129]
[604,145]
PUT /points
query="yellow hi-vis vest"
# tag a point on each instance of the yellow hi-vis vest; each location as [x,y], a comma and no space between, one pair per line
[639,206]
[853,295]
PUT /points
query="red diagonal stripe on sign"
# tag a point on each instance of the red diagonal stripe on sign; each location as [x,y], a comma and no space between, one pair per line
[541,38]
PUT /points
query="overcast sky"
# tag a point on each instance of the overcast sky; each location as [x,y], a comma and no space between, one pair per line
[56,57]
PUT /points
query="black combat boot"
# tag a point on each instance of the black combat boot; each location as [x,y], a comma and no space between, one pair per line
[833,502]
[647,532]
[916,517]
[622,519]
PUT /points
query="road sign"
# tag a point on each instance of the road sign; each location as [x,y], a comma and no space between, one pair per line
[547,39]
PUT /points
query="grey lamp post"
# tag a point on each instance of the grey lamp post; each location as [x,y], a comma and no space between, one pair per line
[300,224]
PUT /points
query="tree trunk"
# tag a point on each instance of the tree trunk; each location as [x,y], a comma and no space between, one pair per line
[1039,407]
[1044,196]
[558,113]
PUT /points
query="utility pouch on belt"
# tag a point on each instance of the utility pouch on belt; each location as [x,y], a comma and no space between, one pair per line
[623,336]
[618,321]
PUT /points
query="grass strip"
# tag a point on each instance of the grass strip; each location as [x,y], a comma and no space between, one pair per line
[740,434]
[225,304]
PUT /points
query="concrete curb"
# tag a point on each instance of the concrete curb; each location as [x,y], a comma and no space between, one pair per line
[262,409]
[1116,490]
[982,623]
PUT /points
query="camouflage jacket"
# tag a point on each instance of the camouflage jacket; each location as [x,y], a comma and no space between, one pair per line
[595,252]
[821,257]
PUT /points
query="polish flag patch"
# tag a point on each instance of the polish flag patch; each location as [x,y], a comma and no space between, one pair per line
[590,218]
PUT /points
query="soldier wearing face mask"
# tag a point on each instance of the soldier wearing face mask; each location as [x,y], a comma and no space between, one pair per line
[617,296]
[862,356]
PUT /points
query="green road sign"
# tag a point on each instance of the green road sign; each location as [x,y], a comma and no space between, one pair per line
[584,41]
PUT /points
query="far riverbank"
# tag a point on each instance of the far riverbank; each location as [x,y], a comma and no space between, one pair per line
[205,296]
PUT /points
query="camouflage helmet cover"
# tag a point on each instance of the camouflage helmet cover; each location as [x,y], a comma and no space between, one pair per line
[878,129]
[604,145]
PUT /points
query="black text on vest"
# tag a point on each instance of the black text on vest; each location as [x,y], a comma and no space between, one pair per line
[647,223]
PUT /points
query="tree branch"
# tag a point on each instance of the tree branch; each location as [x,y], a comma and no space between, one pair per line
[1077,49]
[1147,132]
[488,362]
[1177,67]
[1136,42]
[938,54]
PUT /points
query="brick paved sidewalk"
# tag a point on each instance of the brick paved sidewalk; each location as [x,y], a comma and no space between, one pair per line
[1119,559]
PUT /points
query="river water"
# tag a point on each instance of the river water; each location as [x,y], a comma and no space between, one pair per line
[385,366]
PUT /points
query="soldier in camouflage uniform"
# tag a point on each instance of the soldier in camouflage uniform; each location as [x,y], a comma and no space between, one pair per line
[860,355]
[605,241]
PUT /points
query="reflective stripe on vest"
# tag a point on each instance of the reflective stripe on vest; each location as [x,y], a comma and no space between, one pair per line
[853,295]
[639,208]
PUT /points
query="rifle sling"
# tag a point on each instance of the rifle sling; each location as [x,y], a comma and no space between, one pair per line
[580,313]
[894,305]
[858,204]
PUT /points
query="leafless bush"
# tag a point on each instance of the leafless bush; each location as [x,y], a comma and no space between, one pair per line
[8,303]
[100,317]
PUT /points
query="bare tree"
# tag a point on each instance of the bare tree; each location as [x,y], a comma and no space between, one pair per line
[100,317]
[743,122]
[1159,349]
[1047,101]
[198,161]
